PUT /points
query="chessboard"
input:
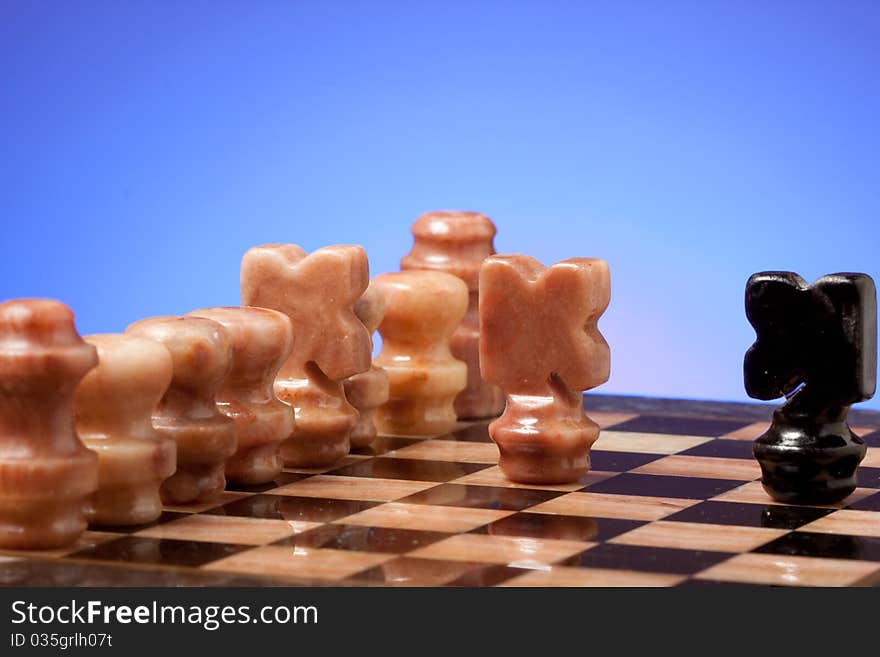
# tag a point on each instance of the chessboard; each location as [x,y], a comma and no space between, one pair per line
[673,498]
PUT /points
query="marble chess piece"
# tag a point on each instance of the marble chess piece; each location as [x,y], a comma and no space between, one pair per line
[317,291]
[262,340]
[539,342]
[46,473]
[423,309]
[368,390]
[457,243]
[114,405]
[201,355]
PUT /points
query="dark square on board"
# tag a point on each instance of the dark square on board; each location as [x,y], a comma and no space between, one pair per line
[363,538]
[286,507]
[827,546]
[481,497]
[680,425]
[619,461]
[410,469]
[160,551]
[571,528]
[723,448]
[775,516]
[868,477]
[694,488]
[870,503]
[646,559]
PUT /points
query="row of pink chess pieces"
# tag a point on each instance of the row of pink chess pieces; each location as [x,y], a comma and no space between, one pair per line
[104,429]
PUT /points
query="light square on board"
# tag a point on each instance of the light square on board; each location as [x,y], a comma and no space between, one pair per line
[562,576]
[495,477]
[354,488]
[409,571]
[699,536]
[704,467]
[426,516]
[753,493]
[597,505]
[784,570]
[646,443]
[449,450]
[847,521]
[227,529]
[285,561]
[512,551]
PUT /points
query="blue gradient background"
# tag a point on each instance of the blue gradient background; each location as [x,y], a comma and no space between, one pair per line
[146,145]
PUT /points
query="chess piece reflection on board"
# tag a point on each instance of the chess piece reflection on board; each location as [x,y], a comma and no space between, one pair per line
[457,243]
[201,356]
[548,318]
[317,291]
[816,345]
[46,473]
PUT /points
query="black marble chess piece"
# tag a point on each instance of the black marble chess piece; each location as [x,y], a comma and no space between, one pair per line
[817,346]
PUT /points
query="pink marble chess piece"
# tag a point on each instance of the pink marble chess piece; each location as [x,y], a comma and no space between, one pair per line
[114,406]
[368,390]
[317,291]
[540,343]
[262,340]
[423,310]
[46,473]
[457,242]
[201,354]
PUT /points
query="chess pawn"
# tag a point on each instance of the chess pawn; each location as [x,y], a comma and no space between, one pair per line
[368,390]
[46,473]
[261,341]
[423,310]
[317,291]
[457,243]
[816,345]
[114,404]
[201,356]
[540,343]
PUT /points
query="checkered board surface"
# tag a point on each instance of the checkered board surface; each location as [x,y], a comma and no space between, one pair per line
[669,501]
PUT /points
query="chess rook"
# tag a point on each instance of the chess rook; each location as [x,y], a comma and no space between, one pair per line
[539,342]
[423,309]
[368,390]
[114,405]
[317,291]
[817,346]
[457,243]
[46,473]
[262,340]
[201,355]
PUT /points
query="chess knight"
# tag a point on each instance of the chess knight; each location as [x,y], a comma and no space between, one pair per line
[817,346]
[540,343]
